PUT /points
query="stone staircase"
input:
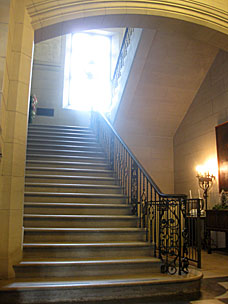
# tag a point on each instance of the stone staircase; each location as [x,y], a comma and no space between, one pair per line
[81,241]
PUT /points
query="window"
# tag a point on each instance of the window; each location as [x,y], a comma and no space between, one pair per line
[87,82]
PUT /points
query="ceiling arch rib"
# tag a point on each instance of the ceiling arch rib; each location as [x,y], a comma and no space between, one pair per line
[49,12]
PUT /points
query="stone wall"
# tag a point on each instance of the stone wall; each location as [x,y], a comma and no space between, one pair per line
[195,140]
[16,46]
[166,74]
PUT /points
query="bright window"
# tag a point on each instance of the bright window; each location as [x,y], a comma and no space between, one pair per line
[87,72]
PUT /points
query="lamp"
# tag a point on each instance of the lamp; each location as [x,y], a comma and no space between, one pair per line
[205,181]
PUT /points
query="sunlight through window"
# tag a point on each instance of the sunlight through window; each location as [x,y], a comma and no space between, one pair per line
[87,72]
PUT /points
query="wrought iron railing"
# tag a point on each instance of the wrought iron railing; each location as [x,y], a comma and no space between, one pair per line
[120,61]
[166,217]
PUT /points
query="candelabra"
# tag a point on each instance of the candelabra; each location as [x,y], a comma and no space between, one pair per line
[205,183]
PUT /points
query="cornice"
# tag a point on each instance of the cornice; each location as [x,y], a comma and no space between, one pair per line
[48,12]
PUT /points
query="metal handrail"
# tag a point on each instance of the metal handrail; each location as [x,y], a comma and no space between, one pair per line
[140,165]
[121,57]
[167,218]
[120,53]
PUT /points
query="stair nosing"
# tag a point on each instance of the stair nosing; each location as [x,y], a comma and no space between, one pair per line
[71,283]
[69,177]
[28,184]
[110,244]
[89,262]
[69,169]
[104,205]
[68,194]
[81,216]
[57,229]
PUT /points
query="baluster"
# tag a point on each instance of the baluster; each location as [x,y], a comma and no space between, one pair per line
[163,216]
[134,186]
[111,153]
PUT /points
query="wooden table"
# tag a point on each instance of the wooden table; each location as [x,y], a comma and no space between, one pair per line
[216,220]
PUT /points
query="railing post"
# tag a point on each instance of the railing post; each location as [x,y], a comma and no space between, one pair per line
[179,206]
[134,187]
[198,229]
[111,151]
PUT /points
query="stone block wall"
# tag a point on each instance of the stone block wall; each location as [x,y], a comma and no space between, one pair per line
[17,47]
[195,140]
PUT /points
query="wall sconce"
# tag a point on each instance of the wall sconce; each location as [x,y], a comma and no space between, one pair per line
[205,181]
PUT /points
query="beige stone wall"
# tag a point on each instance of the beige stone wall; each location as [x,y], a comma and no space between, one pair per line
[13,117]
[195,140]
[4,27]
[167,72]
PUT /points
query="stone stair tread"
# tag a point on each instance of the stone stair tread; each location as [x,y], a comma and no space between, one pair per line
[58,132]
[65,163]
[71,169]
[79,216]
[59,127]
[84,229]
[61,136]
[147,279]
[76,204]
[110,244]
[70,177]
[30,153]
[47,145]
[73,142]
[34,126]
[89,262]
[66,156]
[68,194]
[28,184]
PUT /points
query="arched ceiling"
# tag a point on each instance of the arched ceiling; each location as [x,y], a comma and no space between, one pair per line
[51,18]
[212,14]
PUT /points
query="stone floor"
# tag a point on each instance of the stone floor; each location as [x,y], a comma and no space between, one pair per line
[214,287]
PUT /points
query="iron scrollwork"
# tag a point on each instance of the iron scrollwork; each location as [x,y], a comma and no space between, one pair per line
[170,238]
[164,217]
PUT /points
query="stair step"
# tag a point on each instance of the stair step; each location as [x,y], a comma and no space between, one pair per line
[62,127]
[79,221]
[58,143]
[69,148]
[74,158]
[76,208]
[95,170]
[63,152]
[83,235]
[72,188]
[83,130]
[86,269]
[87,251]
[70,179]
[74,197]
[41,137]
[153,288]
[68,133]
[66,164]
